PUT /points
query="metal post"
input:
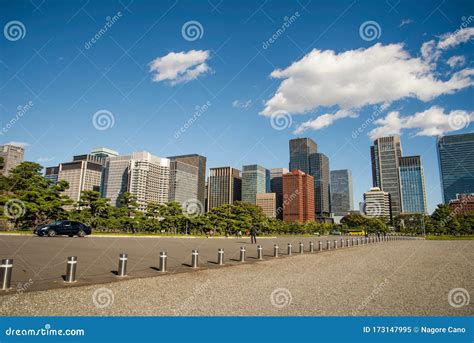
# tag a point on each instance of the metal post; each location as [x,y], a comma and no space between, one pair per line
[289,249]
[301,247]
[353,240]
[195,258]
[163,259]
[122,266]
[242,254]
[220,257]
[348,243]
[311,247]
[320,246]
[6,269]
[71,269]
[275,250]
[335,244]
[328,247]
[259,252]
[342,243]
[358,240]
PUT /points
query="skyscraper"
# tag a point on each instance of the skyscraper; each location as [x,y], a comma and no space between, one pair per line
[298,197]
[412,185]
[82,174]
[199,162]
[183,182]
[304,156]
[142,174]
[319,169]
[12,155]
[456,164]
[385,155]
[276,186]
[342,198]
[224,186]
[149,177]
[255,179]
[300,151]
[377,204]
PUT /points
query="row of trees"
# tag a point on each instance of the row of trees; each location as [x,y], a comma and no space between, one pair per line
[27,199]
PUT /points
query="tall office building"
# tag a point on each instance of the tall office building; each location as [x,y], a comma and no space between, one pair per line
[319,167]
[304,156]
[142,174]
[51,174]
[82,174]
[342,198]
[300,151]
[298,197]
[224,186]
[149,177]
[255,179]
[267,202]
[385,155]
[276,186]
[199,162]
[183,182]
[12,156]
[377,204]
[412,185]
[456,164]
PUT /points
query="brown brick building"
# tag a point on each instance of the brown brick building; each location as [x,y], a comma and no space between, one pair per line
[463,204]
[298,197]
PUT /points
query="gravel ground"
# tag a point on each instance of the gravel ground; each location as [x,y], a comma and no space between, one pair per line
[389,279]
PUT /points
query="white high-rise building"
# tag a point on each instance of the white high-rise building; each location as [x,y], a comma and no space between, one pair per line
[12,155]
[142,174]
[377,203]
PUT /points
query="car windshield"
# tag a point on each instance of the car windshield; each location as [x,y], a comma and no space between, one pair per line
[57,222]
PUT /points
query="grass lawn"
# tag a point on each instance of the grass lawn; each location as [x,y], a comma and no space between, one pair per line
[448,238]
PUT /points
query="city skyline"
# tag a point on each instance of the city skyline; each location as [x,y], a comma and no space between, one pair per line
[59,83]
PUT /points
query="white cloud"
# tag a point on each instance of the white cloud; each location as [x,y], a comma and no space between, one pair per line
[178,67]
[431,122]
[456,61]
[324,120]
[241,103]
[406,22]
[356,78]
[450,40]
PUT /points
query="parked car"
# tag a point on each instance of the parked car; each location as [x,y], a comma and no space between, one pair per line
[63,227]
[336,233]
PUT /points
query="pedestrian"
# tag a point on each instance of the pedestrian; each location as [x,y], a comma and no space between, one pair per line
[239,234]
[253,235]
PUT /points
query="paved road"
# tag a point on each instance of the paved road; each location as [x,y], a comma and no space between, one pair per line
[43,259]
[413,277]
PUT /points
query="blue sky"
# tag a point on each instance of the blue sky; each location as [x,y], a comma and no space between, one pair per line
[236,79]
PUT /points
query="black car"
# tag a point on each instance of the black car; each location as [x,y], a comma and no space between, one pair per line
[63,227]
